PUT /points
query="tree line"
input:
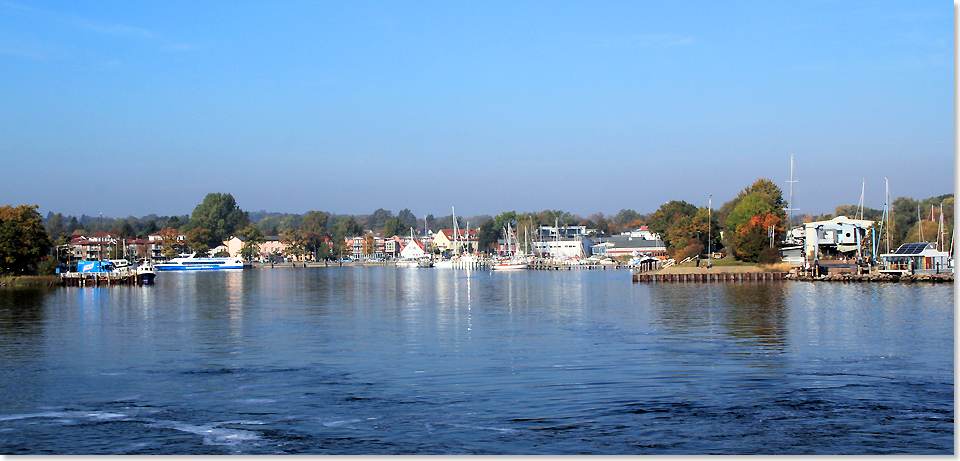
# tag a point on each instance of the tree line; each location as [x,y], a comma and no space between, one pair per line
[740,227]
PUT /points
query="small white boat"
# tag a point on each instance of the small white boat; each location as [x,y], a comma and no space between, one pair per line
[192,263]
[509,265]
[407,263]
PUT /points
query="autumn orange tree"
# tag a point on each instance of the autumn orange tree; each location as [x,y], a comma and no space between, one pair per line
[23,239]
[752,241]
[170,242]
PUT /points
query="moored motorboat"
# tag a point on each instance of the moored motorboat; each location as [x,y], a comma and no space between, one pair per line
[146,273]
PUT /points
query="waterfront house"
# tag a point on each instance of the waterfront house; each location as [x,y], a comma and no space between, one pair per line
[465,241]
[834,237]
[637,242]
[413,249]
[156,247]
[916,258]
[234,245]
[273,246]
[94,246]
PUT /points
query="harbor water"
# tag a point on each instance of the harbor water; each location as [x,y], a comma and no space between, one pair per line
[387,360]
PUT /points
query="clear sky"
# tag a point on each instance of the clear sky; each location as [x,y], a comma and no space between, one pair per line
[130,108]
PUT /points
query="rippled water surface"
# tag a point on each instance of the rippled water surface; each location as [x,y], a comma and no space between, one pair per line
[388,360]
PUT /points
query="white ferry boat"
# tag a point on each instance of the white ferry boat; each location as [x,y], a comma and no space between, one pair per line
[192,263]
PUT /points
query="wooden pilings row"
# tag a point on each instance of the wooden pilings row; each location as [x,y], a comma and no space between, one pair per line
[710,277]
[87,280]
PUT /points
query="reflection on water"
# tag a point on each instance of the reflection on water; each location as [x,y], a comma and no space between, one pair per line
[385,360]
[758,312]
[749,311]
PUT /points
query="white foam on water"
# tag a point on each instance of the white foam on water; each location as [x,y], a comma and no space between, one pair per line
[212,434]
[47,414]
[347,423]
[342,423]
[103,416]
[67,417]
[256,401]
[484,428]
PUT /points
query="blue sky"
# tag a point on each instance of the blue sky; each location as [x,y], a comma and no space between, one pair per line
[131,108]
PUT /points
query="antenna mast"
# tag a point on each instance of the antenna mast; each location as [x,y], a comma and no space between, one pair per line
[790,207]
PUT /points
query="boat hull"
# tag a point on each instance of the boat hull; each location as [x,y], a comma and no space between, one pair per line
[509,266]
[197,267]
[199,264]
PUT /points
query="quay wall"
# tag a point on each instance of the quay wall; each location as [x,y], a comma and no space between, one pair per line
[782,276]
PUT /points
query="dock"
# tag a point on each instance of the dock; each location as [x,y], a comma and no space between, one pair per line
[79,279]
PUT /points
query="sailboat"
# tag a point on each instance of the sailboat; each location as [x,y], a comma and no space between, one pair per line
[517,261]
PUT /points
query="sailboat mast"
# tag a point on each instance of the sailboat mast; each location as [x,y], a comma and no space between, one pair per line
[886,207]
[863,188]
[919,225]
[453,216]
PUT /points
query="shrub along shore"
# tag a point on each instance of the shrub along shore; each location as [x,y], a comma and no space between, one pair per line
[30,281]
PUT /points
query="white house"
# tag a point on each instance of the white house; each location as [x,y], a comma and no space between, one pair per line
[413,249]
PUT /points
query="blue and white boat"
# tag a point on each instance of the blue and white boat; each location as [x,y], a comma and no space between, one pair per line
[193,263]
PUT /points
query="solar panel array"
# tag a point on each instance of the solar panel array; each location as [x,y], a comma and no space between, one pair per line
[911,248]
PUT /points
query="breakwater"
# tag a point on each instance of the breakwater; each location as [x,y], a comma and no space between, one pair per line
[792,275]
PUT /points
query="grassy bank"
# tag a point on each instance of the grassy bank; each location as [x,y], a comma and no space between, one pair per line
[37,281]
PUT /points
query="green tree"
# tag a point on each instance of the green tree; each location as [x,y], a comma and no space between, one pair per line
[771,194]
[252,238]
[563,218]
[345,228]
[314,229]
[378,219]
[55,227]
[853,212]
[198,240]
[220,214]
[671,216]
[625,217]
[501,220]
[23,239]
[747,207]
[393,226]
[407,218]
[487,236]
[603,226]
